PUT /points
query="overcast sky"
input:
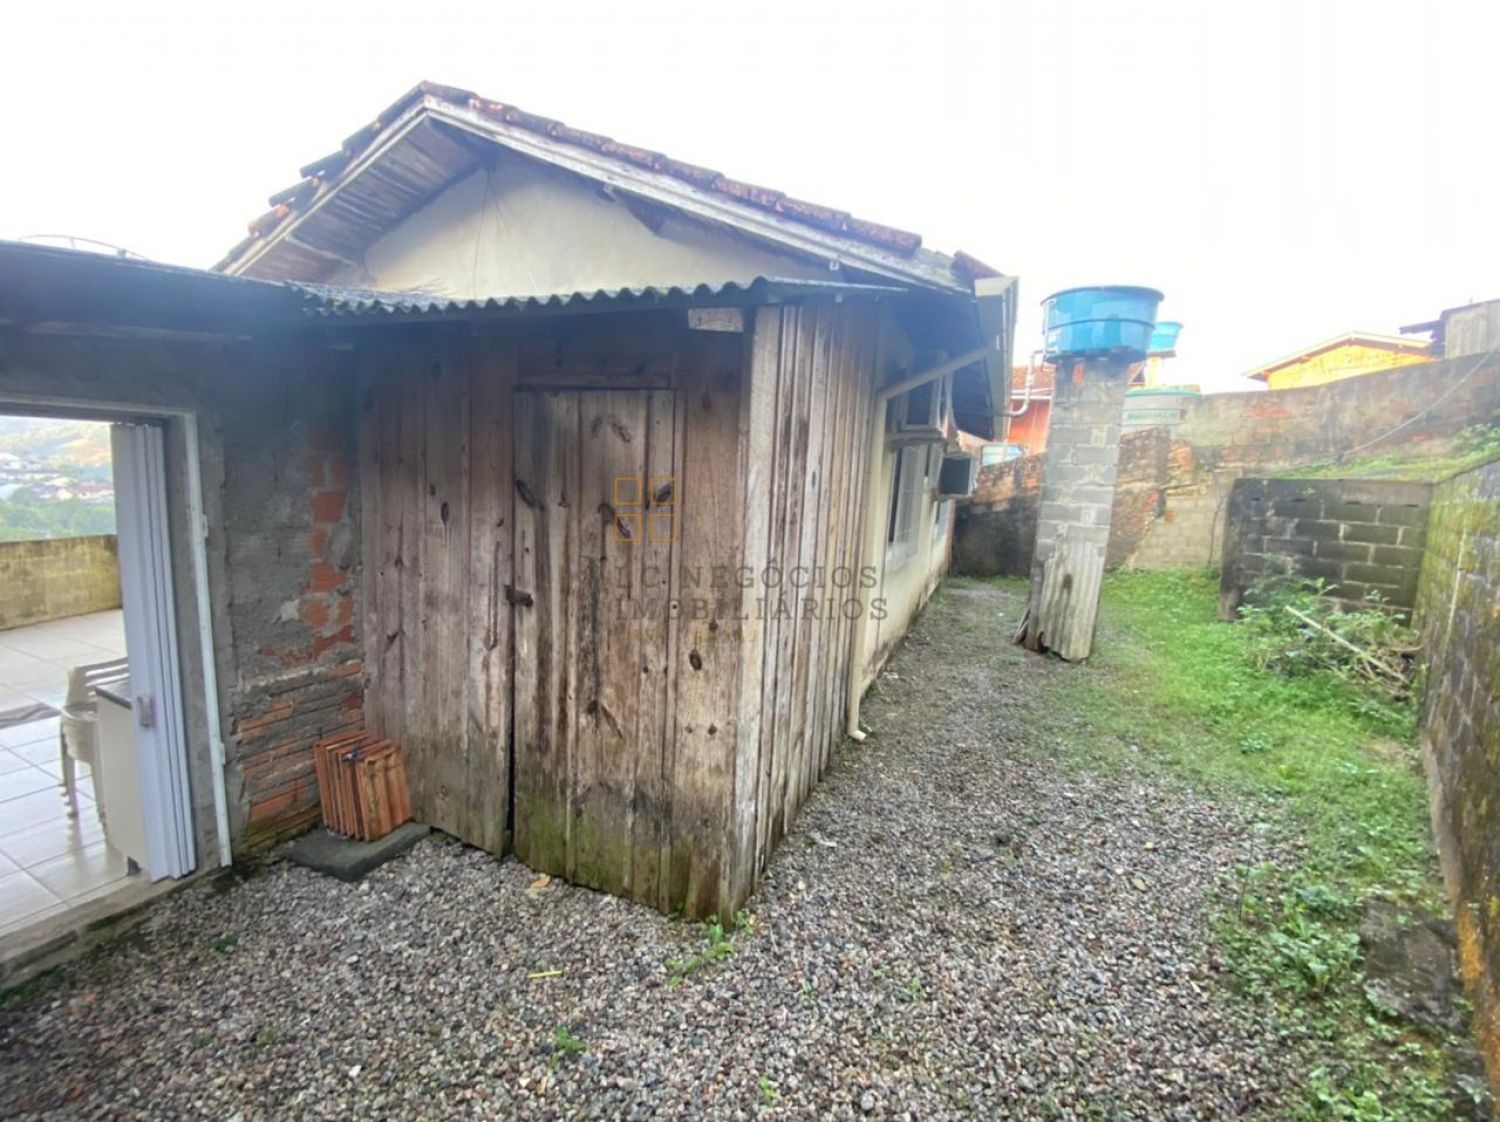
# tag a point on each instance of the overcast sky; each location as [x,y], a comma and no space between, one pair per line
[1282,171]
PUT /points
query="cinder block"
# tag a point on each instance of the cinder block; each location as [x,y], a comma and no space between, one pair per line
[1397,556]
[1370,532]
[1403,515]
[1343,551]
[1287,547]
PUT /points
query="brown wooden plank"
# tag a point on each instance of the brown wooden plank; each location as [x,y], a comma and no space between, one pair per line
[368,419]
[787,726]
[651,798]
[808,629]
[545,427]
[858,376]
[488,627]
[758,469]
[707,652]
[828,539]
[445,584]
[408,682]
[385,481]
[611,518]
[773,761]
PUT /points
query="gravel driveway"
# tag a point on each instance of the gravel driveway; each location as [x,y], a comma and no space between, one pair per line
[957,927]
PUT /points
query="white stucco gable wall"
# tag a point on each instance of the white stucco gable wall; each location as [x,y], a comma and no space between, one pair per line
[521,228]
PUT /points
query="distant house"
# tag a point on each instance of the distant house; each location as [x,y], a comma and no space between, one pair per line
[1343,356]
[1470,329]
[1031,404]
[601,480]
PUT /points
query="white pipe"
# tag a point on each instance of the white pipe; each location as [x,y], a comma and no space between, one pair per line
[1026,393]
[877,446]
[198,532]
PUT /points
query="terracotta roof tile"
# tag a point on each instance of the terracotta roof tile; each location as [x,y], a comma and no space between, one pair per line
[323,172]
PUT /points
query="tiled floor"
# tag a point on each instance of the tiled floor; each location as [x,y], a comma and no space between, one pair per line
[49,861]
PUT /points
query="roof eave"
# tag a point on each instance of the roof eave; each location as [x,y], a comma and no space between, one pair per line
[922,266]
[925,267]
[995,317]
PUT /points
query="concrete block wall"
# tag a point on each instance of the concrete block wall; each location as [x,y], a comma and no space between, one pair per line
[1458,614]
[1363,537]
[53,578]
[1083,445]
[1078,497]
[1171,512]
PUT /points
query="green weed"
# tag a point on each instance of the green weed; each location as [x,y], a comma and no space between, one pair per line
[1329,769]
[769,1095]
[564,1045]
[720,945]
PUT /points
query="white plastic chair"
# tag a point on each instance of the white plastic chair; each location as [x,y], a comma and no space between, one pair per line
[78,727]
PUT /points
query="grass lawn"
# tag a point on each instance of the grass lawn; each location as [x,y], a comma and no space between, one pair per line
[1334,778]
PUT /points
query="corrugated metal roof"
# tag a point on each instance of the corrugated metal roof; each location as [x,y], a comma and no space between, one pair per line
[339,301]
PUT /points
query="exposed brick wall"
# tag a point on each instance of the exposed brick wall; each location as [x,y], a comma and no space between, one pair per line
[996,529]
[292,544]
[1458,613]
[1140,495]
[52,578]
[1171,507]
[1363,537]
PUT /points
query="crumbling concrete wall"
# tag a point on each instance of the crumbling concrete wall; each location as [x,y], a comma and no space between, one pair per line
[53,578]
[1458,612]
[1364,537]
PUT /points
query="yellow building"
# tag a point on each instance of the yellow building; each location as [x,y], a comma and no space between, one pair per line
[1344,356]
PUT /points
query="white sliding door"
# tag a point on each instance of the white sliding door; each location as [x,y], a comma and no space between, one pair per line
[151,646]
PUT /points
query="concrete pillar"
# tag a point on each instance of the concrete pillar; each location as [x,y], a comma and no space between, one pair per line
[1078,492]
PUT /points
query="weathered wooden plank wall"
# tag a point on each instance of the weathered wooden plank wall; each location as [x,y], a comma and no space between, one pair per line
[496,584]
[516,639]
[806,425]
[435,491]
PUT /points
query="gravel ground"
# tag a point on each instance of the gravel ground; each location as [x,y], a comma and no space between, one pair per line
[957,927]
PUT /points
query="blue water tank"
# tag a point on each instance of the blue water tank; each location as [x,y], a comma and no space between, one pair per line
[1111,320]
[1164,337]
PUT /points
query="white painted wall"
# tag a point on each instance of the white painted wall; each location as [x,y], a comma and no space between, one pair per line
[520,228]
[904,586]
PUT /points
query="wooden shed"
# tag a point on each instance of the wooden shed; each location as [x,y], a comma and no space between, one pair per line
[631,548]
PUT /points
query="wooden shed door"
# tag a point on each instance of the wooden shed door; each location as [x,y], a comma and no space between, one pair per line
[595,531]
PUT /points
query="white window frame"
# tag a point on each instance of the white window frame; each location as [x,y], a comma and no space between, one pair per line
[909,485]
[942,516]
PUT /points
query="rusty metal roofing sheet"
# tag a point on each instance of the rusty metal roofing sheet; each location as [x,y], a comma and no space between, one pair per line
[339,301]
